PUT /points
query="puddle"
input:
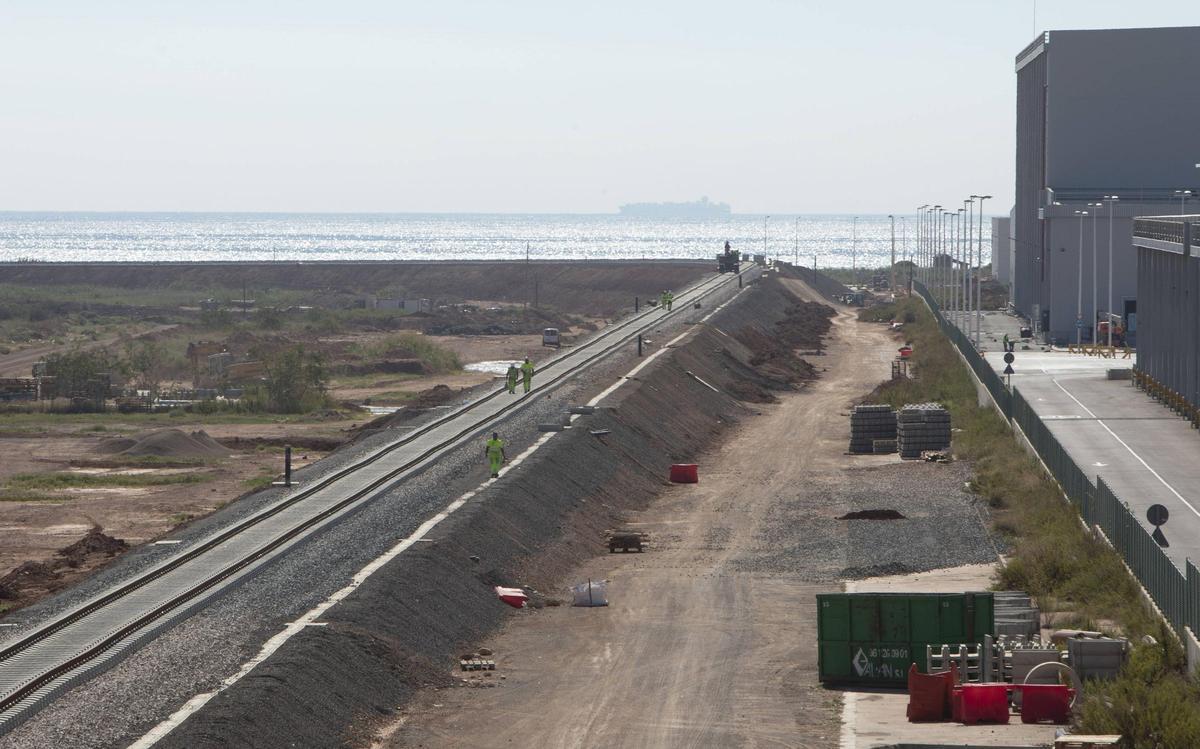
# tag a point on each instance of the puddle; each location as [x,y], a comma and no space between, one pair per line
[381,410]
[498,367]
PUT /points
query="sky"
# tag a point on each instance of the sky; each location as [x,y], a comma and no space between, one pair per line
[774,106]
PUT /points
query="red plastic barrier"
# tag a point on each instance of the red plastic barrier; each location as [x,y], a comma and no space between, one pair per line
[984,703]
[1042,702]
[514,597]
[929,695]
[685,473]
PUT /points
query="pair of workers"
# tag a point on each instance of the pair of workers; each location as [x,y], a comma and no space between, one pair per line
[666,299]
[525,372]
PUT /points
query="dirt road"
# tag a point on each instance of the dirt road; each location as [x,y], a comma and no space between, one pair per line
[20,363]
[700,646]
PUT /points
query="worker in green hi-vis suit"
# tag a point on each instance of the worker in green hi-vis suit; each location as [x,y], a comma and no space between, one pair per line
[495,454]
[511,378]
[527,374]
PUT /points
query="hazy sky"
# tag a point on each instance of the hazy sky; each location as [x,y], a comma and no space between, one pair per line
[783,107]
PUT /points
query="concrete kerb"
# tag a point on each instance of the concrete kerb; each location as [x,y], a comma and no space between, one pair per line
[1192,644]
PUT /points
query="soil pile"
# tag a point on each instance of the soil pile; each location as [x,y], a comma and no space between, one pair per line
[95,542]
[165,443]
[823,284]
[32,580]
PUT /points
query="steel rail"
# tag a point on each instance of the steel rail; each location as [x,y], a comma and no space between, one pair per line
[91,652]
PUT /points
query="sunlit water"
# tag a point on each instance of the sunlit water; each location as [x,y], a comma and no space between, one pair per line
[315,237]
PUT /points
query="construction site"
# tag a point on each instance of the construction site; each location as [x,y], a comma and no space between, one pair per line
[760,517]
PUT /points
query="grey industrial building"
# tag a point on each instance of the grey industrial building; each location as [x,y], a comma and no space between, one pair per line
[1168,280]
[1099,113]
[1002,248]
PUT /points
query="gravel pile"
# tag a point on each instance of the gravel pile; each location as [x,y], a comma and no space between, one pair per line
[942,525]
[921,427]
[871,423]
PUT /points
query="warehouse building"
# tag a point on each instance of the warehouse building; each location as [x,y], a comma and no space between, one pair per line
[1002,249]
[1168,272]
[1099,114]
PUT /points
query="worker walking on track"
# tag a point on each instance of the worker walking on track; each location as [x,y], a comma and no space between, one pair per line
[494,450]
[527,374]
[511,377]
[670,299]
[666,299]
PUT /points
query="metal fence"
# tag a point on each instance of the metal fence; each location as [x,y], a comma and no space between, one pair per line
[981,368]
[1175,592]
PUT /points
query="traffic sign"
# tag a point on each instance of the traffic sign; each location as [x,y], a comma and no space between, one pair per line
[1008,369]
[1157,515]
[1009,358]
[1079,323]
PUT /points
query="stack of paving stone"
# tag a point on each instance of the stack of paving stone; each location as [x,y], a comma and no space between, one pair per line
[921,427]
[871,425]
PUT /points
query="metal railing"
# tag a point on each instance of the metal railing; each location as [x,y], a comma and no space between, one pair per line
[1166,229]
[1176,593]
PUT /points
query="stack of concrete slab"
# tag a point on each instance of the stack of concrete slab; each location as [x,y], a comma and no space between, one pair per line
[922,427]
[872,424]
[1015,615]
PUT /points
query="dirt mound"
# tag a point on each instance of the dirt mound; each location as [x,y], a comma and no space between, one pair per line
[30,580]
[26,575]
[165,443]
[95,542]
[873,515]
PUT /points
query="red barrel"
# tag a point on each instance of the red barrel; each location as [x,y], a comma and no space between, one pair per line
[685,473]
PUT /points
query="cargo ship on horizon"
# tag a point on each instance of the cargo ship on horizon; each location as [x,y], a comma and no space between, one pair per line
[702,208]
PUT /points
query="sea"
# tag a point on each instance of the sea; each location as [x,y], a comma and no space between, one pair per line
[830,240]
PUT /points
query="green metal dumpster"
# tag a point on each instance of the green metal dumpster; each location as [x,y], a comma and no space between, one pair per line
[871,638]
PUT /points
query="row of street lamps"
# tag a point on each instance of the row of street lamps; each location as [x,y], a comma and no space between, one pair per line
[947,264]
[1108,200]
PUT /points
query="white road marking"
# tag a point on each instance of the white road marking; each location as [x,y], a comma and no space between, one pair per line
[193,705]
[1146,465]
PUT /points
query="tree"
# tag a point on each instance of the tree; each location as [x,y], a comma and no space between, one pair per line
[296,380]
[147,361]
[77,373]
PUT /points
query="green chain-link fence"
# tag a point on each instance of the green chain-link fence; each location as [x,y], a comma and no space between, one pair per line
[1176,593]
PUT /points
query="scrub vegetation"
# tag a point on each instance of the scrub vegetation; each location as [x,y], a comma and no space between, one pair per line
[1052,555]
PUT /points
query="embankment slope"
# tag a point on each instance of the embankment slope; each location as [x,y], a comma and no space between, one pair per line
[404,627]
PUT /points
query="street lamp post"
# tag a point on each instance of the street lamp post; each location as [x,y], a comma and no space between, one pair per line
[1110,199]
[854,250]
[892,281]
[797,241]
[1079,292]
[970,203]
[921,241]
[1095,271]
[765,220]
[1183,196]
[979,271]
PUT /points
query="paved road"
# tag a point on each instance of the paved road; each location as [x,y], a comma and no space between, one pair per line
[1145,453]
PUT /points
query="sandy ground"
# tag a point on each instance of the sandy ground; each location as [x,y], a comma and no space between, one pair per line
[35,530]
[693,650]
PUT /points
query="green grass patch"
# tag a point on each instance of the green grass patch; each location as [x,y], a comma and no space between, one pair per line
[11,495]
[408,345]
[70,480]
[261,481]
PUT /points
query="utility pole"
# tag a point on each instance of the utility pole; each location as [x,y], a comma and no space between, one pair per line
[765,236]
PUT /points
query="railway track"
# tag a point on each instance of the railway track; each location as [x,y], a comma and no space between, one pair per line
[57,653]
